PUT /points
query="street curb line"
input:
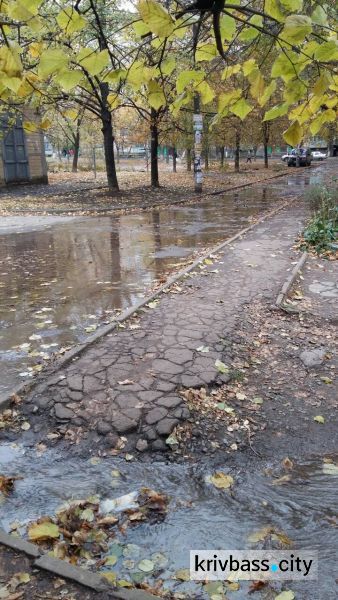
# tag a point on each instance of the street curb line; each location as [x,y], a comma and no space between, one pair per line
[290,280]
[42,381]
[198,197]
[61,568]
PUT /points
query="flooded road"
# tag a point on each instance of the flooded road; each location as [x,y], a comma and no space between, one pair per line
[60,278]
[304,509]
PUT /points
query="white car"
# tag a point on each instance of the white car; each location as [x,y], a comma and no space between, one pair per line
[285,157]
[319,155]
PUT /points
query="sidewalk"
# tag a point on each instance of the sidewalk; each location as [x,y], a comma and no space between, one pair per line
[128,384]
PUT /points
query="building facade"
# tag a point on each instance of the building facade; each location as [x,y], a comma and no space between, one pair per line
[22,153]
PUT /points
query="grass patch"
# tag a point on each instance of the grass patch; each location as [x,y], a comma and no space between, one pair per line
[321,233]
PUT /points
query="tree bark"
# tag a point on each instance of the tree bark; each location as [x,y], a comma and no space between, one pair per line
[108,140]
[206,158]
[222,153]
[188,159]
[76,149]
[174,160]
[265,127]
[237,149]
[154,149]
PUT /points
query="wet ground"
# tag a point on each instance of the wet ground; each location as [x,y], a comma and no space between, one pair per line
[302,507]
[61,278]
[200,517]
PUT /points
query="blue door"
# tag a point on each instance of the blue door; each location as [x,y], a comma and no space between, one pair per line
[14,154]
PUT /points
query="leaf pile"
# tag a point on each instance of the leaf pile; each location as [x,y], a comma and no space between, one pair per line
[81,533]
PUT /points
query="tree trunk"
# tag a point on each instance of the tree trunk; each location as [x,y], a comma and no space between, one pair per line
[153,150]
[266,156]
[206,159]
[189,159]
[265,143]
[76,149]
[237,149]
[167,155]
[174,160]
[108,140]
[222,153]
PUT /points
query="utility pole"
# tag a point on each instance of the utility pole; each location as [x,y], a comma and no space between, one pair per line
[198,127]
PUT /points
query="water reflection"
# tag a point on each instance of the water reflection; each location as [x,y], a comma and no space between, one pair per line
[59,283]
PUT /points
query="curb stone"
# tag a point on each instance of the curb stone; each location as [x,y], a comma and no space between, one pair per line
[74,353]
[20,545]
[290,280]
[63,569]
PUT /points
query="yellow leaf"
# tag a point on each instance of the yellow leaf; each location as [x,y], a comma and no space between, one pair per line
[249,66]
[221,481]
[206,92]
[292,5]
[294,134]
[227,27]
[185,78]
[296,28]
[241,109]
[269,90]
[206,52]
[35,49]
[52,61]
[93,62]
[230,70]
[113,101]
[68,79]
[271,8]
[29,126]
[156,17]
[70,21]
[10,62]
[327,52]
[276,111]
[43,531]
[319,419]
[156,97]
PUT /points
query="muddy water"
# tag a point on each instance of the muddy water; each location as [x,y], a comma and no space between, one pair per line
[59,282]
[199,517]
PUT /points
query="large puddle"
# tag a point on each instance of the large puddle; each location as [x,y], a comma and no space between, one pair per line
[58,283]
[304,509]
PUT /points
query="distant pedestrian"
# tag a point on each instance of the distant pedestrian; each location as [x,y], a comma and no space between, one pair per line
[249,157]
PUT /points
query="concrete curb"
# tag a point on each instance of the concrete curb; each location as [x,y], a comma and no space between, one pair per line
[290,280]
[61,568]
[132,207]
[42,380]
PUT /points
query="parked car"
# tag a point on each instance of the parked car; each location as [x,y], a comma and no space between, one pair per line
[319,155]
[305,158]
[285,157]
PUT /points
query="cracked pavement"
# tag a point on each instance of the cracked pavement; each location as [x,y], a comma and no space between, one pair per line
[128,383]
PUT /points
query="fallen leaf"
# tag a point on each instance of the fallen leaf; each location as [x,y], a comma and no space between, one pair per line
[203,349]
[146,565]
[319,419]
[43,531]
[110,576]
[126,382]
[25,426]
[221,367]
[111,560]
[287,463]
[260,535]
[256,586]
[183,574]
[281,480]
[330,469]
[7,484]
[221,480]
[289,595]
